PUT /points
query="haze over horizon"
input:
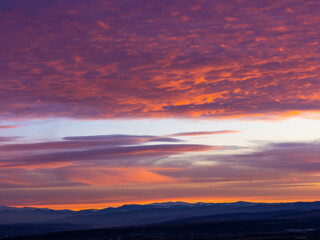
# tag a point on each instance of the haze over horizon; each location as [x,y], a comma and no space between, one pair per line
[105,103]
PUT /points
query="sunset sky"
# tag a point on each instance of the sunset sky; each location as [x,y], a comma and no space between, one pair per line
[111,102]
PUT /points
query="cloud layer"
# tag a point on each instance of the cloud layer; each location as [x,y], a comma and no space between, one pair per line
[133,168]
[137,59]
[108,159]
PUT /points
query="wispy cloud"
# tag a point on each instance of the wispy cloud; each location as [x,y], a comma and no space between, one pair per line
[187,134]
[112,150]
[87,142]
[286,157]
[281,168]
[143,154]
[287,162]
[7,139]
[8,126]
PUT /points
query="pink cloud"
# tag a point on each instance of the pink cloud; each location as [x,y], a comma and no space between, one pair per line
[186,134]
[113,150]
[275,166]
[102,176]
[115,59]
[286,171]
[8,126]
[7,139]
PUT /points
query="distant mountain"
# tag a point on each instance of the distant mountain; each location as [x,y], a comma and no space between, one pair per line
[41,220]
[11,215]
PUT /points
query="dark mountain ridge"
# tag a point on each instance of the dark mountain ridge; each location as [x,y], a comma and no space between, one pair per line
[42,220]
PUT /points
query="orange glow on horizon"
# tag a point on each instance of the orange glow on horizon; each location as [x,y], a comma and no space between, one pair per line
[78,207]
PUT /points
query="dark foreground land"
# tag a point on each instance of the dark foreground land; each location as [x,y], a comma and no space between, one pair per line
[170,221]
[232,230]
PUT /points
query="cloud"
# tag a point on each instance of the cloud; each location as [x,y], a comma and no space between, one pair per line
[142,154]
[159,59]
[112,150]
[117,159]
[8,126]
[283,171]
[87,142]
[7,139]
[23,178]
[288,156]
[272,163]
[122,139]
[186,134]
[135,155]
[101,176]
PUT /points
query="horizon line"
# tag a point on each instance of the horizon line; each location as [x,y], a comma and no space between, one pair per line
[150,203]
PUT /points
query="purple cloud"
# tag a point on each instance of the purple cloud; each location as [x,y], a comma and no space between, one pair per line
[273,171]
[274,162]
[127,59]
[117,149]
[7,139]
[186,134]
[8,126]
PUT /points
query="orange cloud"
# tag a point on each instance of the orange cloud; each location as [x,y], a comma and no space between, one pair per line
[91,151]
[8,126]
[159,59]
[203,133]
[115,176]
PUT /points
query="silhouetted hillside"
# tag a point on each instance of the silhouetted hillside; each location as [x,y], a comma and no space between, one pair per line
[30,221]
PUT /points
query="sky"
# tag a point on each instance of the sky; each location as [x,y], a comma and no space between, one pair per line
[105,103]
